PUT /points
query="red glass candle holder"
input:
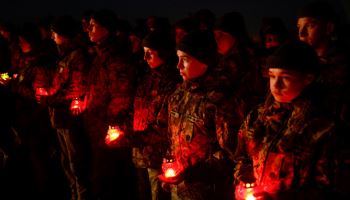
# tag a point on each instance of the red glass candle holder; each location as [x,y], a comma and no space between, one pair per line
[76,104]
[113,134]
[171,167]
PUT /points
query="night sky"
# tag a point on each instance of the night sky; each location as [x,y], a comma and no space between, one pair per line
[252,10]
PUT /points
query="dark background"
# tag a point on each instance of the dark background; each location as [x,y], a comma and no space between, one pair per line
[253,10]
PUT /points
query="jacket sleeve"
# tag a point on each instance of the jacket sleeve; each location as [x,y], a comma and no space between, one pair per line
[35,77]
[342,163]
[319,186]
[68,81]
[228,118]
[121,87]
[244,164]
[77,85]
[157,131]
[41,78]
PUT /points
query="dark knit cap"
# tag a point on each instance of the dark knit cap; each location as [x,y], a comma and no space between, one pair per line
[106,18]
[188,24]
[30,32]
[140,29]
[320,10]
[232,23]
[296,56]
[7,26]
[273,25]
[65,26]
[87,15]
[44,21]
[205,16]
[158,23]
[201,45]
[159,41]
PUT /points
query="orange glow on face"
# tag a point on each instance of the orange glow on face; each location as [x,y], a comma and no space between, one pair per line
[189,67]
[286,85]
[225,41]
[112,134]
[152,58]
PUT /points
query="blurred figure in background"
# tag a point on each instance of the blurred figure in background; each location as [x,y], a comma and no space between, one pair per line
[109,100]
[150,138]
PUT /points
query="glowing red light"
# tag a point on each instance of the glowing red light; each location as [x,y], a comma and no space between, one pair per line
[246,191]
[249,194]
[41,91]
[5,76]
[113,134]
[76,104]
[171,168]
[170,173]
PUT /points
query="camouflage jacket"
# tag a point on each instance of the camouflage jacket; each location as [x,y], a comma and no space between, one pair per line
[33,72]
[335,65]
[16,53]
[246,79]
[203,120]
[150,114]
[286,148]
[68,83]
[5,56]
[334,76]
[110,90]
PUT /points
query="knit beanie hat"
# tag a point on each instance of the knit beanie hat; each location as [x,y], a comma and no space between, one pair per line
[201,45]
[188,24]
[273,25]
[106,18]
[156,23]
[296,56]
[158,40]
[7,26]
[232,23]
[320,10]
[205,17]
[65,26]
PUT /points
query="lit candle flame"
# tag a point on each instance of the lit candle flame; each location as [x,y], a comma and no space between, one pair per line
[250,197]
[75,104]
[5,76]
[41,92]
[112,134]
[249,194]
[170,173]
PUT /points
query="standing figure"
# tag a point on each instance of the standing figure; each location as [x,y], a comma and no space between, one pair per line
[285,145]
[203,119]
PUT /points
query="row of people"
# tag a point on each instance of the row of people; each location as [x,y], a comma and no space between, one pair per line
[288,147]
